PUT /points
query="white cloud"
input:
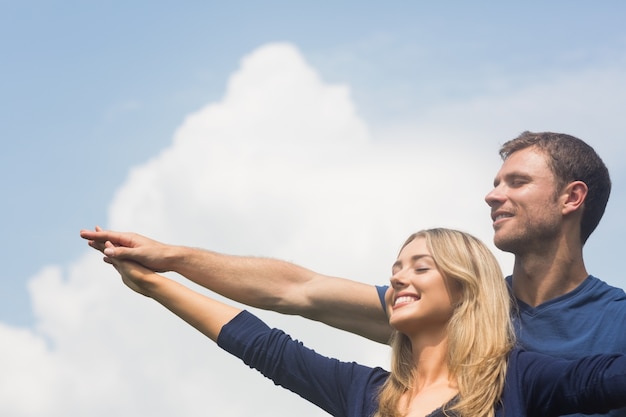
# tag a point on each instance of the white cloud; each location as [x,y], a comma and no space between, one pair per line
[282,166]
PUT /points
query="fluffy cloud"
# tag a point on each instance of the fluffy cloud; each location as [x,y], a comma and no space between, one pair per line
[282,166]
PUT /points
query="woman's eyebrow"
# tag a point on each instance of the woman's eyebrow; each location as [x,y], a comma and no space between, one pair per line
[414,258]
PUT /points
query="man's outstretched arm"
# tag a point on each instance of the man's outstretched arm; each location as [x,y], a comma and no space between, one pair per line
[265,283]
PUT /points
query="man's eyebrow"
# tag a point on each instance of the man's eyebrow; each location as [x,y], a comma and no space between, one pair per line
[517,174]
[510,176]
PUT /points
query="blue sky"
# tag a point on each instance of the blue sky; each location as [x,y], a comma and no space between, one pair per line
[91,88]
[94,93]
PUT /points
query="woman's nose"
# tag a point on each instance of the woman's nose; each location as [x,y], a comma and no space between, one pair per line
[397,280]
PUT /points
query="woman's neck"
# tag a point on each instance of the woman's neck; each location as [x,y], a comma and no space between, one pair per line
[432,385]
[430,359]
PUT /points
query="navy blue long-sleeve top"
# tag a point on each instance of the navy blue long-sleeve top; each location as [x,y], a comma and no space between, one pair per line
[536,384]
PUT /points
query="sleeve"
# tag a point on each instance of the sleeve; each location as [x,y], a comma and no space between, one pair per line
[382,290]
[555,387]
[337,387]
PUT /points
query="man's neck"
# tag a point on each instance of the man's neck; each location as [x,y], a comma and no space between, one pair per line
[538,278]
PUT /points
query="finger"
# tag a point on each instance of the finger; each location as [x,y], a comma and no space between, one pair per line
[113,250]
[100,234]
[96,245]
[109,252]
[87,233]
[117,238]
[109,249]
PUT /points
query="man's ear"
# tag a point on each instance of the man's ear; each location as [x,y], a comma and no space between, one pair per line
[574,195]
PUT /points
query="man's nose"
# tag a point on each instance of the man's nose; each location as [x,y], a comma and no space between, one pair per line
[494,196]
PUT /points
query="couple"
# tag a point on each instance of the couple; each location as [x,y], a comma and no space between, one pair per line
[448,306]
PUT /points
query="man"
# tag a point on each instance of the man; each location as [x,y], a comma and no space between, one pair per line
[548,197]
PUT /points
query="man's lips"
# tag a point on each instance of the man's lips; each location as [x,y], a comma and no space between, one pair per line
[500,215]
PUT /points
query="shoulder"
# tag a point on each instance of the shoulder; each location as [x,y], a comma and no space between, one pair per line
[602,287]
[592,291]
[611,297]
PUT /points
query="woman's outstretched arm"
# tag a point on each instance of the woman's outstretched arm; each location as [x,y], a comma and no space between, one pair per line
[204,313]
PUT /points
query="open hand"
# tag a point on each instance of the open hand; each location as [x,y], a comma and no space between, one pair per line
[129,246]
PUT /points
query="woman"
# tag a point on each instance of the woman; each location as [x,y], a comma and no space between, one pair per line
[453,346]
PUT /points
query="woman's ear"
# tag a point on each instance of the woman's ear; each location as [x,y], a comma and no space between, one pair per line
[455,289]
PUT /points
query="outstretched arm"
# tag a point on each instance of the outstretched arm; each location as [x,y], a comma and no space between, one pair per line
[205,314]
[327,383]
[260,282]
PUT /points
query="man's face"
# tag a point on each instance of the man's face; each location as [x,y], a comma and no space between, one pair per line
[524,204]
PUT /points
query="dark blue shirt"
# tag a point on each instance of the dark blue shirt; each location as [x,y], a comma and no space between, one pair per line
[589,320]
[536,384]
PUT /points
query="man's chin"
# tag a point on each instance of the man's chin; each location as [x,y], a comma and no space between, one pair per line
[505,244]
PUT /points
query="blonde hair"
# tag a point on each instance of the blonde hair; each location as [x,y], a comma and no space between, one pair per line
[480,333]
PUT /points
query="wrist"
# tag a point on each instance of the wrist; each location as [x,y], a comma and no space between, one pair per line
[176,258]
[155,286]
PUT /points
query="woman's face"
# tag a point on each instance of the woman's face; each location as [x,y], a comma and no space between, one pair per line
[420,298]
